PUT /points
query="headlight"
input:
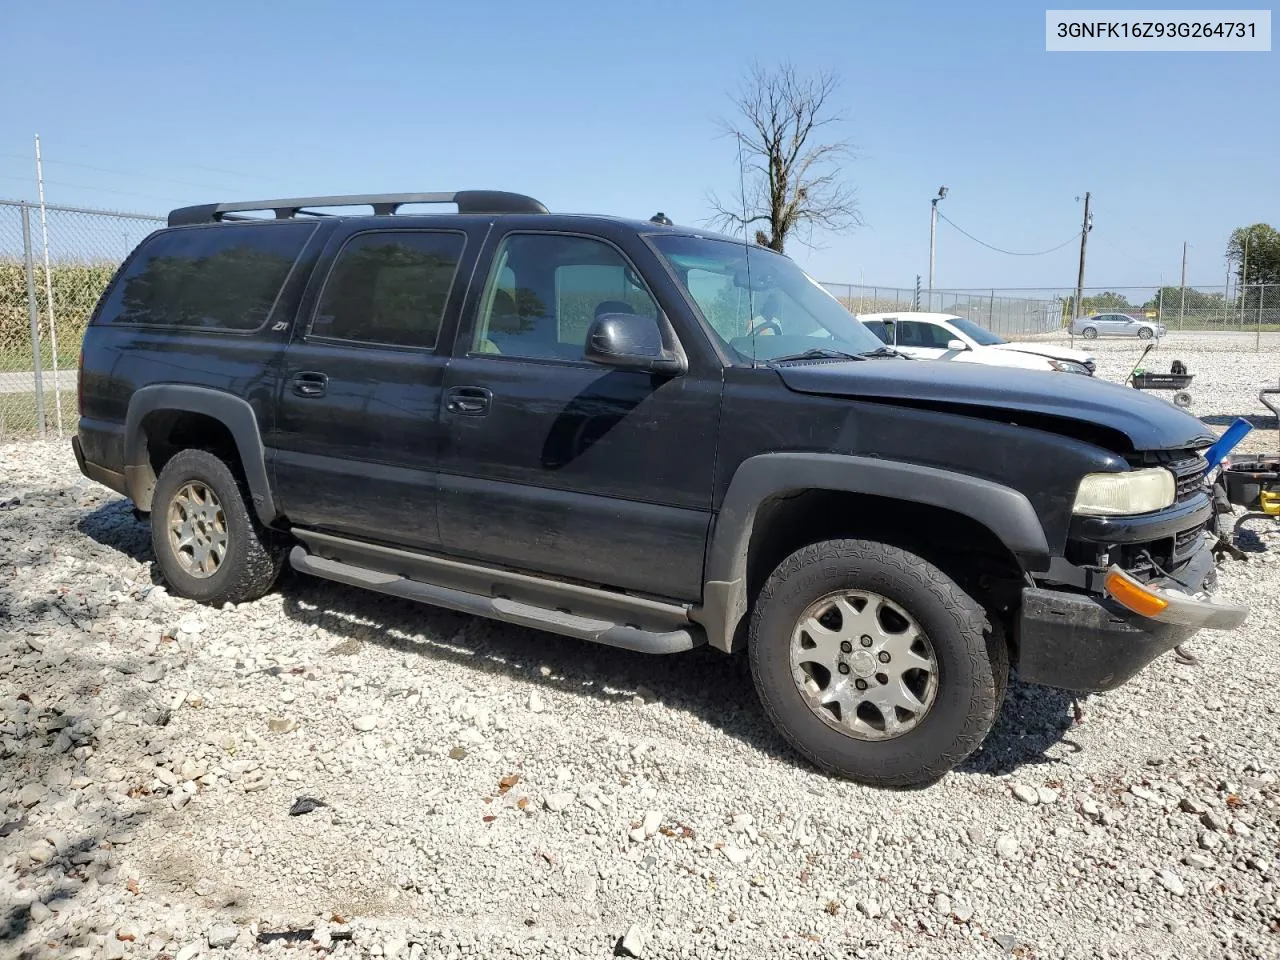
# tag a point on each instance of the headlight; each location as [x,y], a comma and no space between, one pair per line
[1068,366]
[1125,494]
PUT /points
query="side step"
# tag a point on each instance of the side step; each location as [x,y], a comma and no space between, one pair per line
[501,608]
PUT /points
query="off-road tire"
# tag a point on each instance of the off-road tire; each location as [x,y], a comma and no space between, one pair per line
[254,555]
[972,658]
[1089,333]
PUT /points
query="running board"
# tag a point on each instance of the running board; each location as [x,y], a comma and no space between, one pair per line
[523,614]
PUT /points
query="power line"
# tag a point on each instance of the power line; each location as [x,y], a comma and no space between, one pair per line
[1011,253]
[81,186]
[126,173]
[123,173]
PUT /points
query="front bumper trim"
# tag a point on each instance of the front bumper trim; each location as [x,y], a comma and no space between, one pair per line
[1178,607]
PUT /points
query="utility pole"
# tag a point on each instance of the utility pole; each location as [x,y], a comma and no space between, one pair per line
[1182,299]
[933,233]
[1084,237]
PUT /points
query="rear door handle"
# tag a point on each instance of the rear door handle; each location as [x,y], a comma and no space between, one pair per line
[468,401]
[309,384]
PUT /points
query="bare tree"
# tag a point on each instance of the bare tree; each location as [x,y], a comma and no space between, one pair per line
[790,181]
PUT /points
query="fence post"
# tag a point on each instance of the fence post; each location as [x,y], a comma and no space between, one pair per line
[1257,339]
[1160,305]
[991,311]
[33,313]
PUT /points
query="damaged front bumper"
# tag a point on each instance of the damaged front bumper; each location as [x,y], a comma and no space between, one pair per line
[1092,642]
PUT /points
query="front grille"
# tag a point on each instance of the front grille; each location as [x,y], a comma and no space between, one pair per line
[1188,469]
[1187,539]
[1189,476]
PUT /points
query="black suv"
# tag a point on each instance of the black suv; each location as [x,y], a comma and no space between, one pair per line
[648,436]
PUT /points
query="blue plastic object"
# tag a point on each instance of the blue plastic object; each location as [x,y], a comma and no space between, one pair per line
[1227,442]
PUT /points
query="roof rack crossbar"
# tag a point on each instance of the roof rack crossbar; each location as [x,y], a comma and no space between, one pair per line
[383,204]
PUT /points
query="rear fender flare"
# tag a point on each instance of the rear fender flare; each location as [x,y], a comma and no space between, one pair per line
[1007,513]
[233,412]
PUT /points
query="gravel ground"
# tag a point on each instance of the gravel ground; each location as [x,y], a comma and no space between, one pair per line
[493,791]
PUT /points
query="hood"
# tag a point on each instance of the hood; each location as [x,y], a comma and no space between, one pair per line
[1149,422]
[1045,350]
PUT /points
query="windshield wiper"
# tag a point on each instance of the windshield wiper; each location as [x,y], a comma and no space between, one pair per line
[884,352]
[818,353]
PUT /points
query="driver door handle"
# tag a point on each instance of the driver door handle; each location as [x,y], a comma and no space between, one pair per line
[309,383]
[469,401]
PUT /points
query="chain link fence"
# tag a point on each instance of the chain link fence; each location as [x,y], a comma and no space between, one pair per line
[1008,313]
[45,303]
[1018,313]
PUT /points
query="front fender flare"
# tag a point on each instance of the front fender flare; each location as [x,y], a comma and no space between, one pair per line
[232,411]
[1006,512]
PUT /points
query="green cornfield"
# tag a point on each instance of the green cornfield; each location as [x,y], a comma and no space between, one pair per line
[76,288]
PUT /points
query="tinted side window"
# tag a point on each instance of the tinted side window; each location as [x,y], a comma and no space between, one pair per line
[390,287]
[545,291]
[882,329]
[222,277]
[914,333]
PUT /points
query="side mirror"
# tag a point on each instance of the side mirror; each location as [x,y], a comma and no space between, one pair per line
[957,345]
[630,342]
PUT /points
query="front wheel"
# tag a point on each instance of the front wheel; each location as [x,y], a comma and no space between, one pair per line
[874,664]
[1146,333]
[1089,333]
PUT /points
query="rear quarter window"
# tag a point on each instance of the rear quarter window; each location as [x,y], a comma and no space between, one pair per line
[219,277]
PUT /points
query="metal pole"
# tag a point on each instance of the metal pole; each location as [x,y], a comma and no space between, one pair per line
[1257,340]
[933,233]
[33,312]
[1084,237]
[1182,302]
[1242,288]
[1226,297]
[48,291]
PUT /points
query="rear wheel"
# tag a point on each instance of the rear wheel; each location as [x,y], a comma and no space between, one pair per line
[874,664]
[207,543]
[1089,333]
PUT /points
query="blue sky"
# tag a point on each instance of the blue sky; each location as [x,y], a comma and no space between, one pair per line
[610,107]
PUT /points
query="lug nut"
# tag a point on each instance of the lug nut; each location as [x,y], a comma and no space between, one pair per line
[860,684]
[884,656]
[866,641]
[844,668]
[881,679]
[846,646]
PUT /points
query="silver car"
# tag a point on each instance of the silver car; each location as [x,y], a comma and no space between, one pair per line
[1116,325]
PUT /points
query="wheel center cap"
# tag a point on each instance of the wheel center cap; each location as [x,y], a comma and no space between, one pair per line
[862,663]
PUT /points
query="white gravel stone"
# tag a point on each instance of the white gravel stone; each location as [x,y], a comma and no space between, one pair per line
[223,935]
[1007,846]
[633,941]
[1025,793]
[556,802]
[364,724]
[1172,882]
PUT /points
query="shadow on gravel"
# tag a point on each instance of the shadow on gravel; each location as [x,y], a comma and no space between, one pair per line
[112,524]
[704,682]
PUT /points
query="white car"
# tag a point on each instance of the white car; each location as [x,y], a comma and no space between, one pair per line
[944,336]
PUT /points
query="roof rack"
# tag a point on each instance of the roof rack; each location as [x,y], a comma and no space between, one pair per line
[468,201]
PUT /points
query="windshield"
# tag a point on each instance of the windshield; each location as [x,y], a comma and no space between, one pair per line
[979,335]
[775,310]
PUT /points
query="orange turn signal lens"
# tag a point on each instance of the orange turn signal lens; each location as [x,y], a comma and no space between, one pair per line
[1133,595]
